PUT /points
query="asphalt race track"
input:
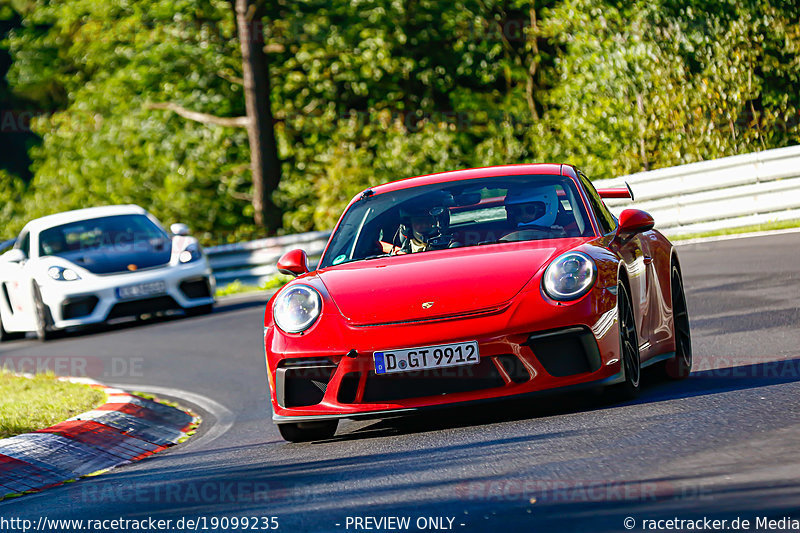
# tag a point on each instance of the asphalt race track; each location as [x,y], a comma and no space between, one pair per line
[722,444]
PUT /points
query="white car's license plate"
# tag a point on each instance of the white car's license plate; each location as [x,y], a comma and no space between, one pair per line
[142,290]
[410,359]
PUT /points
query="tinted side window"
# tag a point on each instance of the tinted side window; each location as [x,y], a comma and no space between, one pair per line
[604,217]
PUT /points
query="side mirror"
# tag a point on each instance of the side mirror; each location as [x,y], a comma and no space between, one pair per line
[179,229]
[293,263]
[14,255]
[633,221]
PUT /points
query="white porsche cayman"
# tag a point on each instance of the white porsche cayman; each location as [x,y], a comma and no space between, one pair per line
[92,265]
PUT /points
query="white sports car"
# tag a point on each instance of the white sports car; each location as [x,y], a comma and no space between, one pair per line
[92,265]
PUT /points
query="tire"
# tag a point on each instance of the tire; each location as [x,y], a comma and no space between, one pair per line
[44,319]
[629,349]
[680,366]
[199,310]
[308,431]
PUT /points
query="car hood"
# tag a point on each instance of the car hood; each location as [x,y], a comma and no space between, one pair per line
[113,259]
[454,282]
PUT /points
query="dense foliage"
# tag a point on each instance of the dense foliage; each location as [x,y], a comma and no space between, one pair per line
[374,90]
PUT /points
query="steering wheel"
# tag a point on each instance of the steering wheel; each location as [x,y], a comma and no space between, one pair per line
[515,235]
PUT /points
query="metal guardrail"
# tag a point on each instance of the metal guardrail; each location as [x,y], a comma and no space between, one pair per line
[255,261]
[724,193]
[706,196]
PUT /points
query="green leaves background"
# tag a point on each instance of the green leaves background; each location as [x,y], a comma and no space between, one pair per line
[369,91]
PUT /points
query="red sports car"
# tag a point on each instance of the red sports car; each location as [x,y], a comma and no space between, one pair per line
[472,285]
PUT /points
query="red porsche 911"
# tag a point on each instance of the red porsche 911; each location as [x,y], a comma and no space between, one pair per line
[468,286]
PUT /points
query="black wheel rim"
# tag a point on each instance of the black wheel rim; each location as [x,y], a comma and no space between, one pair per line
[629,340]
[683,336]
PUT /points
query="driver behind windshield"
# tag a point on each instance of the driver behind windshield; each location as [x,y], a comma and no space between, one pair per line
[424,225]
[52,242]
[532,212]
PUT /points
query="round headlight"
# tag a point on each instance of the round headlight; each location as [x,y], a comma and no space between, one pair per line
[62,274]
[570,276]
[297,308]
[191,253]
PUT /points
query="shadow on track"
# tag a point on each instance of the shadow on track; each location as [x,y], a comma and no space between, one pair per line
[656,389]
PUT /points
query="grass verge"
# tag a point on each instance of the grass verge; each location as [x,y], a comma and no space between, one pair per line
[237,287]
[767,226]
[28,404]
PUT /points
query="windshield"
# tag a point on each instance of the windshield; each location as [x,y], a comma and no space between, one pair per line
[122,233]
[458,214]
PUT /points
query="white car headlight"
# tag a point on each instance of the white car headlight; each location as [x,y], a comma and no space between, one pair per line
[570,276]
[62,274]
[191,253]
[297,308]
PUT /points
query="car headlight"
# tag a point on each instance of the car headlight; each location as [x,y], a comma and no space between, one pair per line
[297,308]
[191,253]
[62,274]
[570,276]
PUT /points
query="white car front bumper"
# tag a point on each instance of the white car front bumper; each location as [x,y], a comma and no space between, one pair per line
[96,299]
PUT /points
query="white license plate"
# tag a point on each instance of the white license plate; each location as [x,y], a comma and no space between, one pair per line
[410,359]
[142,290]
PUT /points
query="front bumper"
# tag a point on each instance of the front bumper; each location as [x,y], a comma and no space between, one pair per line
[391,413]
[95,299]
[557,347]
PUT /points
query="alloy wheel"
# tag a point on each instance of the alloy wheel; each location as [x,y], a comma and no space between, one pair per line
[629,347]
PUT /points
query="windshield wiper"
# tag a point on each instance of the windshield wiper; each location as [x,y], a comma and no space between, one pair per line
[378,256]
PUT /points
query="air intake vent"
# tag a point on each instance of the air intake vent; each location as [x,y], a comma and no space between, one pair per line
[78,307]
[302,382]
[566,352]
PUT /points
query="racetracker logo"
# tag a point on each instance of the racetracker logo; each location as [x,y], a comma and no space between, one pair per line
[571,491]
[13,121]
[200,492]
[195,492]
[768,367]
[78,366]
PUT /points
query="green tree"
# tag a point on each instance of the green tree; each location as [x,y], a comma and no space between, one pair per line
[15,113]
[376,90]
[12,190]
[352,77]
[104,145]
[646,85]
